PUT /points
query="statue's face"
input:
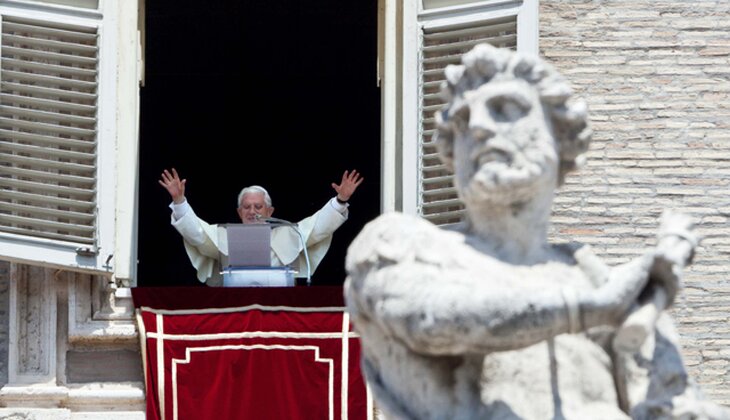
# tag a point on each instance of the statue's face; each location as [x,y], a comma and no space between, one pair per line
[504,150]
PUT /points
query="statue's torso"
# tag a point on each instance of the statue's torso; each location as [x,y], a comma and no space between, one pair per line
[569,376]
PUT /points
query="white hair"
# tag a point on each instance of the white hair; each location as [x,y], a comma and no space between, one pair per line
[254,189]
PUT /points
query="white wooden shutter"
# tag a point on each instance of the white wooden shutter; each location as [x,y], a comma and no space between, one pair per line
[69,75]
[88,4]
[48,135]
[438,199]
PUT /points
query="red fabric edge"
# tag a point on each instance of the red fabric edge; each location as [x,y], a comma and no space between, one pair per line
[226,297]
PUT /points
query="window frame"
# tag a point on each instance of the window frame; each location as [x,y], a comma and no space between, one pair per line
[401,29]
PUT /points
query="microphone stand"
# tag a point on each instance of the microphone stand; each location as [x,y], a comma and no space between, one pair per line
[282,222]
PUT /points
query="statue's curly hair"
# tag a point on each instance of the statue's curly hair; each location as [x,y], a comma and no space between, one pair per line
[484,64]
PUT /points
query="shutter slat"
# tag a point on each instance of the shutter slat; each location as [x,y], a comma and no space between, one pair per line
[442,219]
[49,92]
[438,169]
[40,56]
[433,88]
[39,187]
[81,218]
[48,117]
[31,162]
[79,34]
[70,227]
[73,180]
[48,128]
[47,200]
[438,180]
[45,68]
[439,194]
[509,26]
[46,80]
[452,49]
[84,145]
[48,104]
[433,72]
[454,202]
[431,109]
[46,151]
[66,45]
[432,156]
[47,235]
[427,137]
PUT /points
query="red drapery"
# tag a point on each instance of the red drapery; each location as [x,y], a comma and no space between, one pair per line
[249,353]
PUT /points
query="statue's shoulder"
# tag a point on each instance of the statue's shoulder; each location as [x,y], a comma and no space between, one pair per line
[399,229]
[396,237]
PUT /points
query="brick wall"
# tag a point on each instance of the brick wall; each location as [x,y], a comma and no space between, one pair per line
[656,76]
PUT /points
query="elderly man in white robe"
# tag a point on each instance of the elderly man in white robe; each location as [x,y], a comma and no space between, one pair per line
[254,206]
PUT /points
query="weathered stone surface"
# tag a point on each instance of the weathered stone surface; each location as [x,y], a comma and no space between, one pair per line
[72,347]
[104,366]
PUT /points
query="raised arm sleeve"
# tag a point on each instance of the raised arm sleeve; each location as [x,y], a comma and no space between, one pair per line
[199,239]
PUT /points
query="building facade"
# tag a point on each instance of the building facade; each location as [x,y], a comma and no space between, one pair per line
[656,76]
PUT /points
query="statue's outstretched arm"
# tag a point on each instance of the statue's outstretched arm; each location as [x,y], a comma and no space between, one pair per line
[439,296]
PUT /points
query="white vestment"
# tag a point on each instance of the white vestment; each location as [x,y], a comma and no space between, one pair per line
[201,241]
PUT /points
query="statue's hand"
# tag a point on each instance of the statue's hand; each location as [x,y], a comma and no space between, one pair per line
[621,292]
[675,250]
[677,239]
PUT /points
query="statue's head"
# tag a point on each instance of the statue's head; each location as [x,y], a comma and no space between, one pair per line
[509,127]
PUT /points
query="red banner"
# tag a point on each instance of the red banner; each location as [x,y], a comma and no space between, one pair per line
[258,361]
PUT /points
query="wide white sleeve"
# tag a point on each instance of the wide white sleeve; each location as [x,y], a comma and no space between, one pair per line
[330,217]
[200,240]
[185,221]
[316,231]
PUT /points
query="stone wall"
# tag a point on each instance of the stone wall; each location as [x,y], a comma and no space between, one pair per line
[656,76]
[4,304]
[69,347]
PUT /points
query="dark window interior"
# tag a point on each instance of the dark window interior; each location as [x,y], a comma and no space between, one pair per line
[277,93]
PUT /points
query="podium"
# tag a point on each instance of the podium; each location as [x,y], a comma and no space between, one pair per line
[259,353]
[245,255]
[258,277]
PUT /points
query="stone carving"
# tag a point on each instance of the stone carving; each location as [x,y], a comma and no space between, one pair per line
[487,319]
[72,348]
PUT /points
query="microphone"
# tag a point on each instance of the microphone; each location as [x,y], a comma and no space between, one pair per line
[274,220]
[277,221]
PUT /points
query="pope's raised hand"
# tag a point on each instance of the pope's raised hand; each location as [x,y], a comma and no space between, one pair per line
[348,185]
[174,185]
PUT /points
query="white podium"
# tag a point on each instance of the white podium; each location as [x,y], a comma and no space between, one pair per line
[258,277]
[245,254]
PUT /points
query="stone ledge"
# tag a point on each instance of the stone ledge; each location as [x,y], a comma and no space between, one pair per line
[103,332]
[107,397]
[37,396]
[65,414]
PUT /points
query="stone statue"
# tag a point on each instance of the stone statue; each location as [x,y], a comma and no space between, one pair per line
[489,320]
